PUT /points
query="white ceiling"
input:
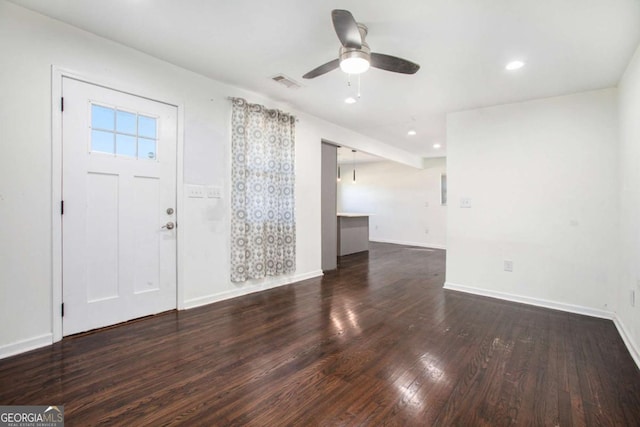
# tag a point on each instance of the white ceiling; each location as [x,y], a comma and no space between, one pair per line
[461,45]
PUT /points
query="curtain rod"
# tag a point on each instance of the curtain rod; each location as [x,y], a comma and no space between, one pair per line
[231,98]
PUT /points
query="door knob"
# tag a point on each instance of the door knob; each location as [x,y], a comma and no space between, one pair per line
[169,226]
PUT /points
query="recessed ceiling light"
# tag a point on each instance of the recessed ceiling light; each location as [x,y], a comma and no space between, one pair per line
[436,146]
[514,65]
[350,100]
[411,132]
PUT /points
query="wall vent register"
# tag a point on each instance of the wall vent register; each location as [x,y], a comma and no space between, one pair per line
[123,133]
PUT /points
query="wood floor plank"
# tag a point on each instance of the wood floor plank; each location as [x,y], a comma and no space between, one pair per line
[375,342]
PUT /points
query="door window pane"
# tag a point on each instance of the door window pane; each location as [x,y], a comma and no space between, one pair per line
[102,117]
[102,142]
[146,148]
[126,122]
[125,145]
[147,127]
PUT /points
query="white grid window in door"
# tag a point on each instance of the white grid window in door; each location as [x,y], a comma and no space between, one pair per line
[123,133]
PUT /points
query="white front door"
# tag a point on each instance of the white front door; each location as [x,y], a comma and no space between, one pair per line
[119,192]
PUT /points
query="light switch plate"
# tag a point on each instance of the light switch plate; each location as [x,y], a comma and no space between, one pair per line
[195,191]
[214,192]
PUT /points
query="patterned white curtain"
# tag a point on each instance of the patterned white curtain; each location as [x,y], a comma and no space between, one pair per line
[263,227]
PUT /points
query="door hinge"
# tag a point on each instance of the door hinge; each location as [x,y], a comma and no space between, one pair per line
[61,103]
[62,309]
[61,207]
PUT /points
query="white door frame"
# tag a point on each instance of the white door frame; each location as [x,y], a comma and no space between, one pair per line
[57,75]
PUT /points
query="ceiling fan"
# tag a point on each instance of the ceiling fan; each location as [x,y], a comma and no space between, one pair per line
[355,57]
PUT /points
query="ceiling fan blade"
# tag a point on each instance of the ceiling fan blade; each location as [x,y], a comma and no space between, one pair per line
[393,63]
[346,28]
[324,68]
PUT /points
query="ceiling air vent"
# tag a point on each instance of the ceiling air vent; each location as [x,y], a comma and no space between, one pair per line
[286,81]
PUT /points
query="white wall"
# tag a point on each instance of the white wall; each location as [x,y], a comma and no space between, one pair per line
[404,201]
[30,44]
[629,111]
[542,180]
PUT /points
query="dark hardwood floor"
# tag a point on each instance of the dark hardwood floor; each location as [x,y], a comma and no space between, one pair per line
[377,342]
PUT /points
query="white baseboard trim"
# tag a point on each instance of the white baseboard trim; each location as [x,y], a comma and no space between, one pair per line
[26,345]
[628,341]
[250,289]
[407,243]
[47,339]
[587,311]
[577,309]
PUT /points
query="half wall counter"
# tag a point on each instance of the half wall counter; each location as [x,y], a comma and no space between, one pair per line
[353,233]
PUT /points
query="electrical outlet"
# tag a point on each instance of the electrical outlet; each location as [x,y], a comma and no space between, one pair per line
[465,202]
[508,266]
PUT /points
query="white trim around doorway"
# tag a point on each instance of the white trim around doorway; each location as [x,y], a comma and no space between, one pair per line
[57,74]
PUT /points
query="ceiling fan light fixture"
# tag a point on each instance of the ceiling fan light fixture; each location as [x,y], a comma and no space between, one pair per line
[355,56]
[354,61]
